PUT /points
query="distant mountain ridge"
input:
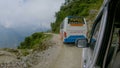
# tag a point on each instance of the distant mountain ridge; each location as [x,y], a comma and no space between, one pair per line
[9,38]
[12,37]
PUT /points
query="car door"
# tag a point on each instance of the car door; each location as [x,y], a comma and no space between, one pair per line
[90,51]
[97,54]
[97,36]
[112,52]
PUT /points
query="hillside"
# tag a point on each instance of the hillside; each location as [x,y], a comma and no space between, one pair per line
[86,8]
[29,53]
[35,41]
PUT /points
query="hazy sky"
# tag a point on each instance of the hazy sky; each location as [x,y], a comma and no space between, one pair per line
[28,13]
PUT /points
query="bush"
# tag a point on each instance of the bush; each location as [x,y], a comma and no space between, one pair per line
[33,41]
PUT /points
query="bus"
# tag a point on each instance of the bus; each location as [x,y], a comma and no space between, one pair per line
[73,28]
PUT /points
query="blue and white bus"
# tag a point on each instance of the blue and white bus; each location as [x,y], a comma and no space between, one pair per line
[73,28]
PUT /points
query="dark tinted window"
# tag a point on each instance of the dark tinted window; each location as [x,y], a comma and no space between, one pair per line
[75,21]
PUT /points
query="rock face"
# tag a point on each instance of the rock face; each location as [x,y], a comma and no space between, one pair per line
[9,60]
[35,59]
[93,11]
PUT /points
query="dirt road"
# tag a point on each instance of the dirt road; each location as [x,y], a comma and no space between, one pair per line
[68,57]
[59,55]
[62,55]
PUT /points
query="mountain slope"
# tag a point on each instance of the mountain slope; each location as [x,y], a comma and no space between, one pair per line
[86,8]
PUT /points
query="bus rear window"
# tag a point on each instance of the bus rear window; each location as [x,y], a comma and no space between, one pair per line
[75,21]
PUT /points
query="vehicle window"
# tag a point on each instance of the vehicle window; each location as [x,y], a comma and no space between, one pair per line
[116,63]
[114,51]
[75,21]
[115,38]
[95,35]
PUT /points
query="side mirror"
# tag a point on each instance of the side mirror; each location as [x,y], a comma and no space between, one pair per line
[82,43]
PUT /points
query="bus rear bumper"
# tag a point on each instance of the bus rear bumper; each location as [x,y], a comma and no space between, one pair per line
[72,39]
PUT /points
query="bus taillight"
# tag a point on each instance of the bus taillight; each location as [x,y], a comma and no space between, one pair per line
[65,34]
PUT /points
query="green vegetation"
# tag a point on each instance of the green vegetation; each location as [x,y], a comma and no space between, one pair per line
[76,8]
[34,41]
[25,52]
